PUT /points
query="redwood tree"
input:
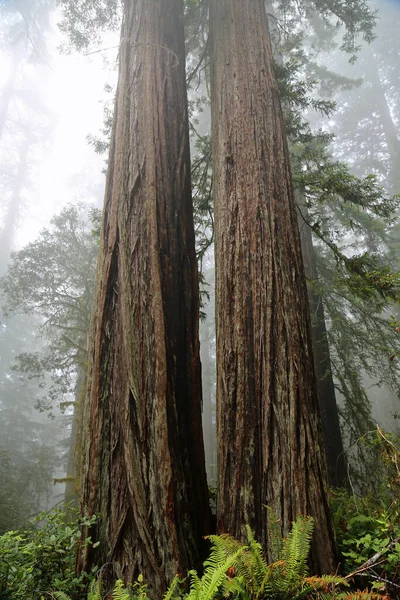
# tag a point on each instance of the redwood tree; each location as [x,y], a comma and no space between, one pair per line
[332,436]
[270,449]
[143,455]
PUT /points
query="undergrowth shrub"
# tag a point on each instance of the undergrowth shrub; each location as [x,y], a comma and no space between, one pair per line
[39,563]
[41,558]
[239,571]
[368,527]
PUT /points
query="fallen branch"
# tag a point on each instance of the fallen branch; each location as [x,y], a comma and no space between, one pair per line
[373,561]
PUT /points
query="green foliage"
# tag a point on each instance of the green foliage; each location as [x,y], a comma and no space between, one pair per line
[41,559]
[368,527]
[13,507]
[83,21]
[136,591]
[53,277]
[120,592]
[240,571]
[233,570]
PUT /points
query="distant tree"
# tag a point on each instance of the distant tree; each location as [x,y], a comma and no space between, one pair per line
[24,117]
[28,439]
[366,134]
[53,279]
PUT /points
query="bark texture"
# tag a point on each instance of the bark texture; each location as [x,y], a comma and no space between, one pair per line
[332,436]
[143,453]
[270,449]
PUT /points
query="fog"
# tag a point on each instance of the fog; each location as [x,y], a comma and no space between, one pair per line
[50,102]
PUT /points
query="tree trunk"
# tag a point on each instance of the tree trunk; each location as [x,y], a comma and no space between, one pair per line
[9,87]
[270,449]
[335,456]
[15,204]
[143,453]
[207,408]
[75,444]
[388,125]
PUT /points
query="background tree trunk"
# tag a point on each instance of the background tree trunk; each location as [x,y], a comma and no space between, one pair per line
[15,204]
[74,463]
[9,87]
[335,456]
[144,469]
[270,448]
[208,429]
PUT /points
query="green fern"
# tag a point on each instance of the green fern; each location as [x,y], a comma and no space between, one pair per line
[169,593]
[95,590]
[251,567]
[254,578]
[296,548]
[60,596]
[238,571]
[120,592]
[214,573]
[195,585]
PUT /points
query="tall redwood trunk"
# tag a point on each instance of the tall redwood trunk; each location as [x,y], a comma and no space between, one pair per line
[74,463]
[332,436]
[208,430]
[389,128]
[270,449]
[9,87]
[10,223]
[143,455]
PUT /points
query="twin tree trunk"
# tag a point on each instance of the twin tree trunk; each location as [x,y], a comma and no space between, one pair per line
[143,454]
[270,449]
[144,468]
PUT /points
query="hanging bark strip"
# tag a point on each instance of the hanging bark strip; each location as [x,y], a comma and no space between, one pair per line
[144,470]
[270,448]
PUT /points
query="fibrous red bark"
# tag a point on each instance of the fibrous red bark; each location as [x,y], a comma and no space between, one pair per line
[270,448]
[143,470]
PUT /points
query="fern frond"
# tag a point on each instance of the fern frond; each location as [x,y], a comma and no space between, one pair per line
[61,596]
[95,590]
[273,578]
[296,548]
[213,578]
[260,565]
[326,581]
[171,589]
[245,572]
[236,587]
[223,545]
[120,592]
[358,595]
[214,575]
[251,565]
[195,586]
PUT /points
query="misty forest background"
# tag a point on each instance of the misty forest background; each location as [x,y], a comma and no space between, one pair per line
[338,70]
